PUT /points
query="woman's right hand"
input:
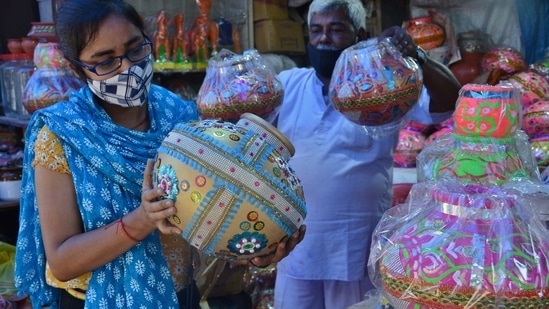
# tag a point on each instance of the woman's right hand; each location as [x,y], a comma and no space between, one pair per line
[157,210]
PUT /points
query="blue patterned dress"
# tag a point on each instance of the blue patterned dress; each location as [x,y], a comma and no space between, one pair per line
[107,163]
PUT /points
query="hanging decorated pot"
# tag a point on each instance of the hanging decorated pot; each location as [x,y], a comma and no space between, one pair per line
[426,33]
[236,195]
[237,84]
[373,84]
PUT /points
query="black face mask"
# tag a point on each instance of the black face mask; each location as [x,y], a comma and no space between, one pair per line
[323,60]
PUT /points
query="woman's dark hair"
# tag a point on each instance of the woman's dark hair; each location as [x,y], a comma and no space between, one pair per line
[77,23]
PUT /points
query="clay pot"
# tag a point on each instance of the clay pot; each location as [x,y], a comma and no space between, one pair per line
[425,33]
[505,58]
[28,45]
[532,86]
[468,68]
[373,85]
[540,150]
[236,195]
[535,119]
[410,143]
[487,111]
[14,46]
[468,244]
[237,84]
[52,81]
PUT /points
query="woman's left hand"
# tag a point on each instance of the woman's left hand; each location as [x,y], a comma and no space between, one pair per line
[282,250]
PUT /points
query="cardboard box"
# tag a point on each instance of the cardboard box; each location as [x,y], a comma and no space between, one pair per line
[270,9]
[279,36]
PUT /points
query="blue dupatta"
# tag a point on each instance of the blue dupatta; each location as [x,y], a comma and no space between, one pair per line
[107,163]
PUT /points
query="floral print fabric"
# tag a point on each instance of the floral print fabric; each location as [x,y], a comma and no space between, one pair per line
[107,163]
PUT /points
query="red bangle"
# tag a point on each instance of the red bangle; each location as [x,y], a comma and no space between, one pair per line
[121,223]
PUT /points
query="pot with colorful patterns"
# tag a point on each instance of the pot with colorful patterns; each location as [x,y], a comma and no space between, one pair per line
[235,193]
[506,59]
[532,86]
[373,84]
[52,81]
[237,84]
[487,111]
[535,119]
[426,33]
[467,248]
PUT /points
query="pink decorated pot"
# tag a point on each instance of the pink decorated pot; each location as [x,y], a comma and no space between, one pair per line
[445,127]
[487,111]
[468,248]
[237,84]
[235,193]
[505,58]
[410,143]
[532,87]
[373,85]
[535,118]
[426,33]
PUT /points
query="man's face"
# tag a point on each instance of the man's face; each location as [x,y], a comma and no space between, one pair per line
[331,31]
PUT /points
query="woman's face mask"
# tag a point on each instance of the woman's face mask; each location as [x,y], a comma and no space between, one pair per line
[127,89]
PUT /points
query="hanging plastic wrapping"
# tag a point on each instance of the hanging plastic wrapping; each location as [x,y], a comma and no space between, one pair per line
[53,80]
[469,234]
[236,84]
[374,86]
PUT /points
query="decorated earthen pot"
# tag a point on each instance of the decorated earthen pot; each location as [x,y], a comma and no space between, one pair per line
[410,143]
[467,246]
[426,33]
[52,81]
[373,85]
[540,149]
[236,84]
[507,59]
[535,118]
[236,195]
[445,127]
[487,111]
[532,86]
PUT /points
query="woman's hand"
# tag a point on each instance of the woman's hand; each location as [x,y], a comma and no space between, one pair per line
[401,39]
[156,209]
[282,250]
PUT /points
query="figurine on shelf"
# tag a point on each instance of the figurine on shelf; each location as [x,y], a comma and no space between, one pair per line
[236,40]
[179,44]
[161,42]
[200,46]
[213,34]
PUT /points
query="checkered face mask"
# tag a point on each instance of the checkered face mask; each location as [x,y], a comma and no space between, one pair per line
[127,89]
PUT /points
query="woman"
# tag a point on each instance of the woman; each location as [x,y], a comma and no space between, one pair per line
[89,212]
